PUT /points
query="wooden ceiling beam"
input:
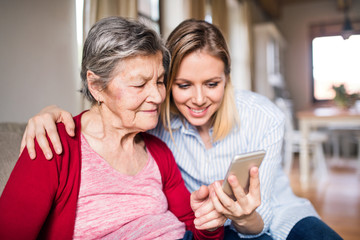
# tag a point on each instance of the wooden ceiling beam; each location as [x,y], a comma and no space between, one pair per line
[272,8]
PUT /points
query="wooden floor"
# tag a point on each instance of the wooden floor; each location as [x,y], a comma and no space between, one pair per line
[336,198]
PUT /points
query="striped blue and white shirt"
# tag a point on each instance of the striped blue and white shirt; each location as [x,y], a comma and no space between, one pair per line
[261,128]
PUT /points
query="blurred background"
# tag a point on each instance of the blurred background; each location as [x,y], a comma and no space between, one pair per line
[302,54]
[270,42]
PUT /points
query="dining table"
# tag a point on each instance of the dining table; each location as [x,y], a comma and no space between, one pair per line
[315,117]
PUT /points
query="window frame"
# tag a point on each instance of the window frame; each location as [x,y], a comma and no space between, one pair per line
[326,29]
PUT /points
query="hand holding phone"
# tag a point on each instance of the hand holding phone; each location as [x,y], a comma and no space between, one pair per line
[240,167]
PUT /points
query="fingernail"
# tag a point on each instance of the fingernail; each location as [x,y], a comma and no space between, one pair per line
[48,156]
[32,155]
[58,150]
[231,178]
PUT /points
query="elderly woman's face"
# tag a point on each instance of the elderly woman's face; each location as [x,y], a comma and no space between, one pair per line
[136,91]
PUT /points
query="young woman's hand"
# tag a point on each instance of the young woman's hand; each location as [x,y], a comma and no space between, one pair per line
[206,216]
[45,123]
[242,212]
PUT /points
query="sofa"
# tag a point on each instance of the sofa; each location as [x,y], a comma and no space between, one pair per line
[10,139]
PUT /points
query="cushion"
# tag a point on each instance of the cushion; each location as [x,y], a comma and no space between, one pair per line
[10,139]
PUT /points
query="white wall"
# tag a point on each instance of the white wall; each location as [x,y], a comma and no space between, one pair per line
[38,57]
[294,25]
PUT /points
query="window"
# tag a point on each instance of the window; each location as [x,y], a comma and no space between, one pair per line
[149,10]
[335,61]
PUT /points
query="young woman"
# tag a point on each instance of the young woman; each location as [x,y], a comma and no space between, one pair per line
[205,123]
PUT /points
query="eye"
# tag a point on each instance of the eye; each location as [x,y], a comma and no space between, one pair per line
[212,84]
[161,81]
[183,85]
[140,85]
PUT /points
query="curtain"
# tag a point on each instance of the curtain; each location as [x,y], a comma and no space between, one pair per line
[219,11]
[95,10]
[197,9]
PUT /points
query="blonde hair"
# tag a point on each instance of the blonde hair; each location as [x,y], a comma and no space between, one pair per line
[190,36]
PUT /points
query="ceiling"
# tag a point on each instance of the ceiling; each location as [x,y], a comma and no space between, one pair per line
[272,8]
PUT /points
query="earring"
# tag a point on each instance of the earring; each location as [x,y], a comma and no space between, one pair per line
[98,102]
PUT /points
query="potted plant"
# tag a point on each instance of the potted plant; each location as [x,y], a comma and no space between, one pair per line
[342,98]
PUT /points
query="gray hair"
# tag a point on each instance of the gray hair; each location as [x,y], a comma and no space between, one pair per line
[112,40]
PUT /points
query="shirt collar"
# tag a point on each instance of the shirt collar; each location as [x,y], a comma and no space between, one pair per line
[181,124]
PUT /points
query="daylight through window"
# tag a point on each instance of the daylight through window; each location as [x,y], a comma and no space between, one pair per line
[335,61]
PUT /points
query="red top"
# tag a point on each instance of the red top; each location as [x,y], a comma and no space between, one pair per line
[39,199]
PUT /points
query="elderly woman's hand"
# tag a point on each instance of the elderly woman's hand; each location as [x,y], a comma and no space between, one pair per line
[206,216]
[45,123]
[242,211]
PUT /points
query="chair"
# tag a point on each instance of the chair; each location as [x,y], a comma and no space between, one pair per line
[352,134]
[292,140]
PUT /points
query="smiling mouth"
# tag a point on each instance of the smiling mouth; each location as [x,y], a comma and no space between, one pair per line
[198,110]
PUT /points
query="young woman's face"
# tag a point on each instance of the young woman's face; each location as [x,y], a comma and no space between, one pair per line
[198,88]
[134,95]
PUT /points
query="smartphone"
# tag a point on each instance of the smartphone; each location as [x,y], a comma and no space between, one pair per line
[240,167]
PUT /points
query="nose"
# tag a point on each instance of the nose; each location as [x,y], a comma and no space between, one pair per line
[157,93]
[199,96]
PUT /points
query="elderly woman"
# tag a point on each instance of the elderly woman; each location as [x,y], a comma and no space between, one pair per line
[112,179]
